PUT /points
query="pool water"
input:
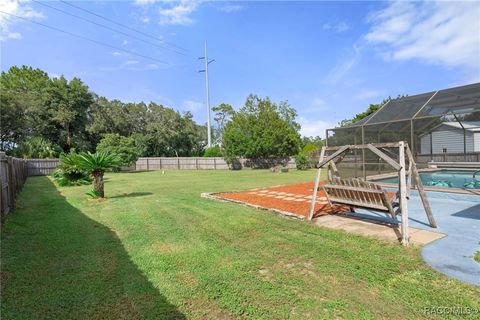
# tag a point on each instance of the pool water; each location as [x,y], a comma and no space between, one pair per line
[445,179]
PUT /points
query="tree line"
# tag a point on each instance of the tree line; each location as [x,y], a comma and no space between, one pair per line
[44,116]
[62,115]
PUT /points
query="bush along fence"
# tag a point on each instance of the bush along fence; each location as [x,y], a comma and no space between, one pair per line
[42,167]
[13,174]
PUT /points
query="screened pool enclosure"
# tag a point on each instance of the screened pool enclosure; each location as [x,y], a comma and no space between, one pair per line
[439,126]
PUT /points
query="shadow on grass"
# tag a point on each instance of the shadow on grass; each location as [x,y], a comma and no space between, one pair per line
[57,263]
[131,194]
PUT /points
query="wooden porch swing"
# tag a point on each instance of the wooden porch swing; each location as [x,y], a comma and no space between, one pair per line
[357,193]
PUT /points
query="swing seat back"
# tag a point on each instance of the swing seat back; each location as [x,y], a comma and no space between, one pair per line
[358,193]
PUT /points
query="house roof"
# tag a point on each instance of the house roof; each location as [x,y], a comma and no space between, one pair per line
[434,104]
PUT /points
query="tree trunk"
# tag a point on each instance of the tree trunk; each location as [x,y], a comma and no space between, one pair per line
[98,183]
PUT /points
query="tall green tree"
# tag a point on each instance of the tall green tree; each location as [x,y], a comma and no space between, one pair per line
[69,108]
[223,114]
[25,95]
[129,149]
[262,129]
[67,114]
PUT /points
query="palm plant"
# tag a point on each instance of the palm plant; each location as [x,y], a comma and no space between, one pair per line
[97,163]
[68,173]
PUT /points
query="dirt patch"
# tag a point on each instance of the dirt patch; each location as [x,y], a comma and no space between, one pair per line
[294,199]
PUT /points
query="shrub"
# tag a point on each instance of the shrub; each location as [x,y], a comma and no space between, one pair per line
[128,149]
[37,147]
[68,173]
[96,164]
[477,256]
[233,162]
[301,162]
[92,193]
[309,148]
[214,151]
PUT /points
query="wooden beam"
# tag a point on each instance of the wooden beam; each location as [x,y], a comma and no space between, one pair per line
[339,152]
[365,146]
[382,155]
[409,174]
[334,168]
[359,189]
[315,186]
[403,193]
[421,190]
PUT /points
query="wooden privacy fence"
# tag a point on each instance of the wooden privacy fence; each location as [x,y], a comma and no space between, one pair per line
[41,167]
[200,163]
[13,174]
[192,163]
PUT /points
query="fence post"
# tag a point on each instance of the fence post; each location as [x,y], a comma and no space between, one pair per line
[11,189]
[148,167]
[178,163]
[214,163]
[196,163]
[2,203]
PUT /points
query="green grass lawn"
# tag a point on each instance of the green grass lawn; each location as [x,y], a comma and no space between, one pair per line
[155,250]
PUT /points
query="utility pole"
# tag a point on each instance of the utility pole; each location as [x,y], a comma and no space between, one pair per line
[207,93]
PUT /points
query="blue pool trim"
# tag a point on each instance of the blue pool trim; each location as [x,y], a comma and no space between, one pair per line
[458,216]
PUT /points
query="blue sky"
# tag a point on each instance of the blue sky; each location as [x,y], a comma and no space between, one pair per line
[328,59]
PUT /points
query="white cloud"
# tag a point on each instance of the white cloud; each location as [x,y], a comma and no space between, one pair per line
[313,128]
[444,33]
[178,13]
[338,27]
[344,65]
[116,53]
[229,8]
[11,35]
[17,8]
[144,2]
[192,105]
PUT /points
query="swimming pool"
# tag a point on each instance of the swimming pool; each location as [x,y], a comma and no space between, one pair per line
[445,179]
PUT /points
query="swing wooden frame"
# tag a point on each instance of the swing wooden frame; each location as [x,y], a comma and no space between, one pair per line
[353,193]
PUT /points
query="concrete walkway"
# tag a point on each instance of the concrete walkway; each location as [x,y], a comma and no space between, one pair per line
[458,216]
[378,230]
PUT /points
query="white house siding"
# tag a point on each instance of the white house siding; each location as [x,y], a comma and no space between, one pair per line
[452,140]
[476,142]
[425,144]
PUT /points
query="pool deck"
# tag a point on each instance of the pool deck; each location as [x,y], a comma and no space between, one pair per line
[458,216]
[376,229]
